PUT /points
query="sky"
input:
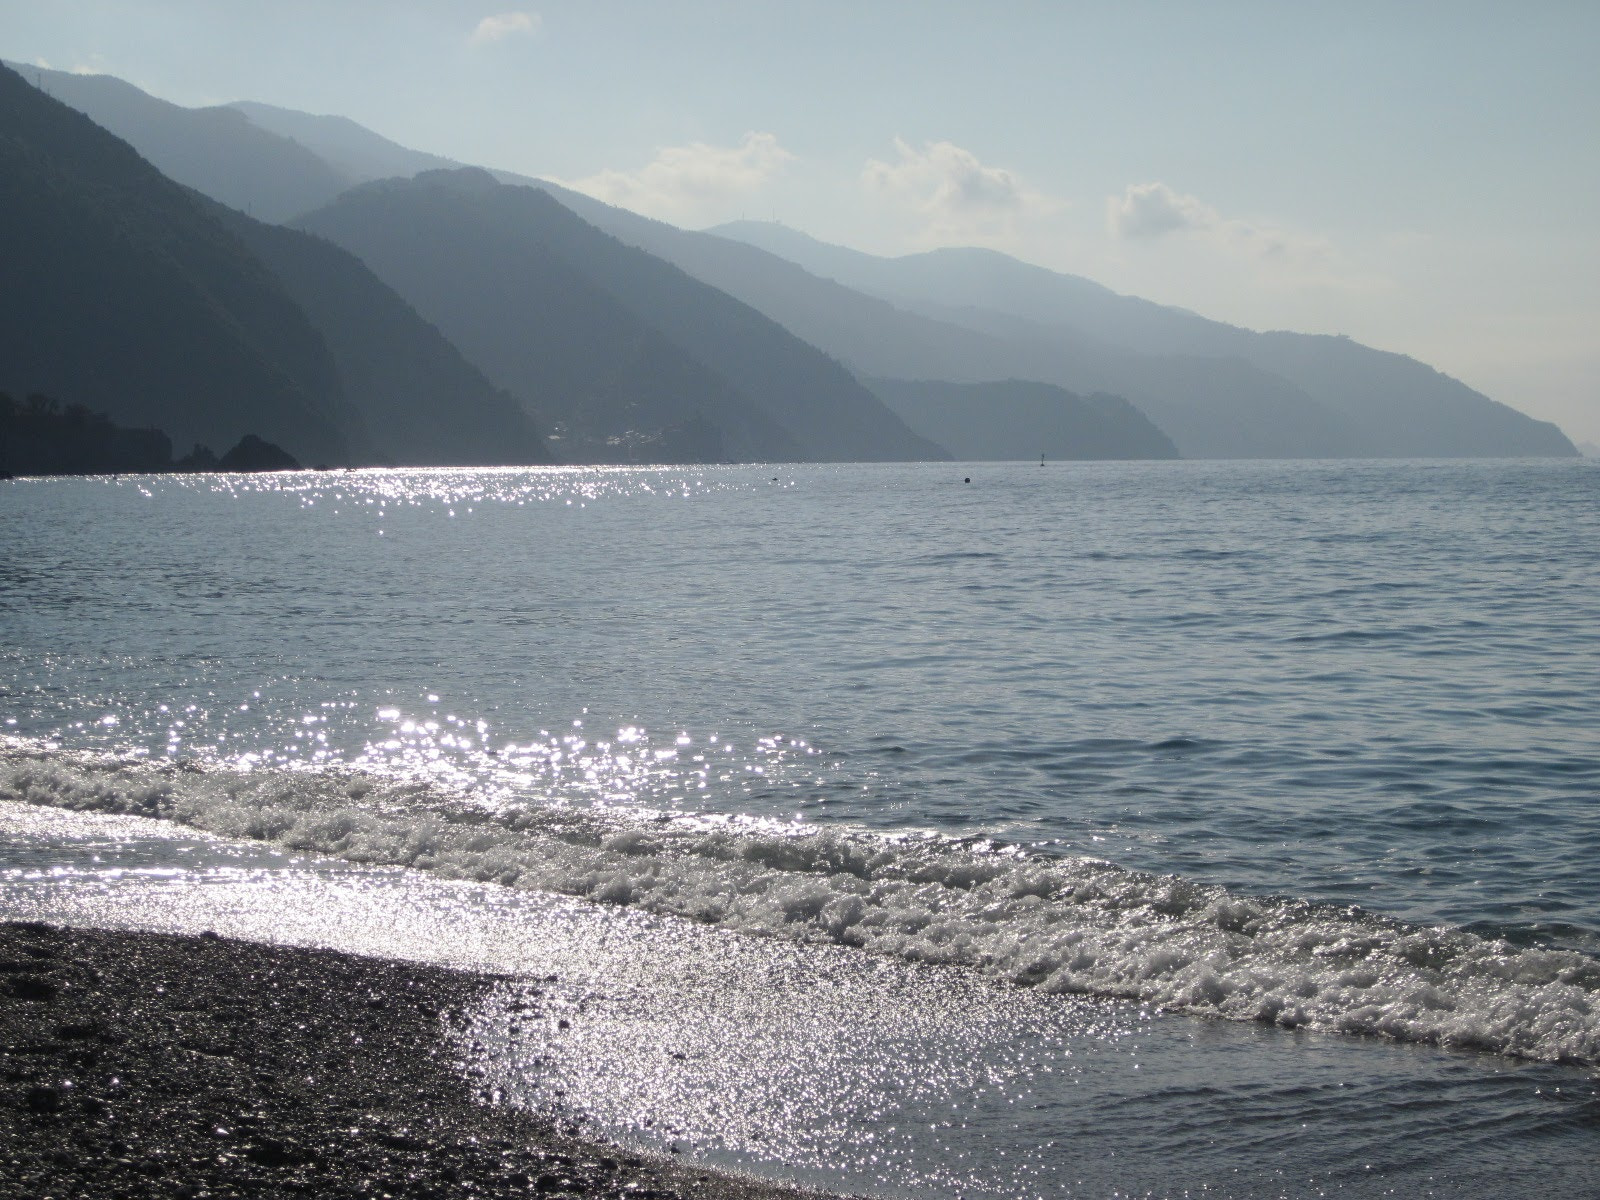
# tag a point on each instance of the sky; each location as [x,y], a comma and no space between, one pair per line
[1424,177]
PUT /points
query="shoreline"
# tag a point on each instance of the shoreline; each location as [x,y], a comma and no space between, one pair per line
[194,1066]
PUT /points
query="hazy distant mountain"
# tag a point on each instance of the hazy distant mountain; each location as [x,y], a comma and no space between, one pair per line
[628,356]
[217,151]
[969,315]
[1395,405]
[1212,408]
[120,294]
[423,403]
[468,255]
[1016,419]
[353,150]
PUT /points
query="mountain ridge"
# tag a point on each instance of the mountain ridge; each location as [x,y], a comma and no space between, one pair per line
[538,297]
[1217,390]
[873,338]
[218,151]
[145,299]
[123,296]
[423,403]
[1403,407]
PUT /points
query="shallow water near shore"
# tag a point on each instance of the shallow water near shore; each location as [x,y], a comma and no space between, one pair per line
[846,1070]
[882,830]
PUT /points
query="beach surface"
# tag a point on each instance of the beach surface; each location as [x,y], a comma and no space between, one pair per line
[142,1064]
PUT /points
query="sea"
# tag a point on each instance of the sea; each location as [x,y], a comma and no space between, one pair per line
[913,830]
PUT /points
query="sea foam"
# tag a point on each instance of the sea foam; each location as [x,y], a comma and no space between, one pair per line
[1061,925]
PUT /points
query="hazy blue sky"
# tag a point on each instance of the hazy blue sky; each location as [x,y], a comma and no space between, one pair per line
[1424,177]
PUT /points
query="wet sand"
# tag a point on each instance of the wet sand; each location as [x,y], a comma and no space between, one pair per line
[152,1065]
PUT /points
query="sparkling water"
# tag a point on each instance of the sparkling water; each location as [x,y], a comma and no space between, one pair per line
[1156,827]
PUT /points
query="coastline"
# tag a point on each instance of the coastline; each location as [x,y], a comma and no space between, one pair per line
[136,1064]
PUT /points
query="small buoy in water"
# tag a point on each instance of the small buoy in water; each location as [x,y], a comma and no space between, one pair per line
[968,479]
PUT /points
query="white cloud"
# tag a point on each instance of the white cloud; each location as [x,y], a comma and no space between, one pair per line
[504,25]
[1159,233]
[691,183]
[954,193]
[1148,210]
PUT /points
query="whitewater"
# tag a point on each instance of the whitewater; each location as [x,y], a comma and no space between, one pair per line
[1075,758]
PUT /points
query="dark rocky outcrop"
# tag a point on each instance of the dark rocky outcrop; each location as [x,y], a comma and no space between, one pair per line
[40,437]
[254,454]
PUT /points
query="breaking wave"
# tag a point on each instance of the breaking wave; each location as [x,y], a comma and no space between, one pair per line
[1061,925]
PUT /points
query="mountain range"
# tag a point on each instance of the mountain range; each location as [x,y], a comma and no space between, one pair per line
[975,315]
[421,401]
[622,356]
[601,338]
[1391,404]
[122,295]
[629,339]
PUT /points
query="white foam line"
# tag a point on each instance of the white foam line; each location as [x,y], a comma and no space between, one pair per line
[1069,926]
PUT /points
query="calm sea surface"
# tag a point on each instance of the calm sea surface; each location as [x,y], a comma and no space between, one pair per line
[868,785]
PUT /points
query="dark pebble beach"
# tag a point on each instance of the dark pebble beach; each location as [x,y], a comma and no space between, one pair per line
[151,1065]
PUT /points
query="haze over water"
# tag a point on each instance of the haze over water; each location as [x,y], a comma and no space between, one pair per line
[1249,740]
